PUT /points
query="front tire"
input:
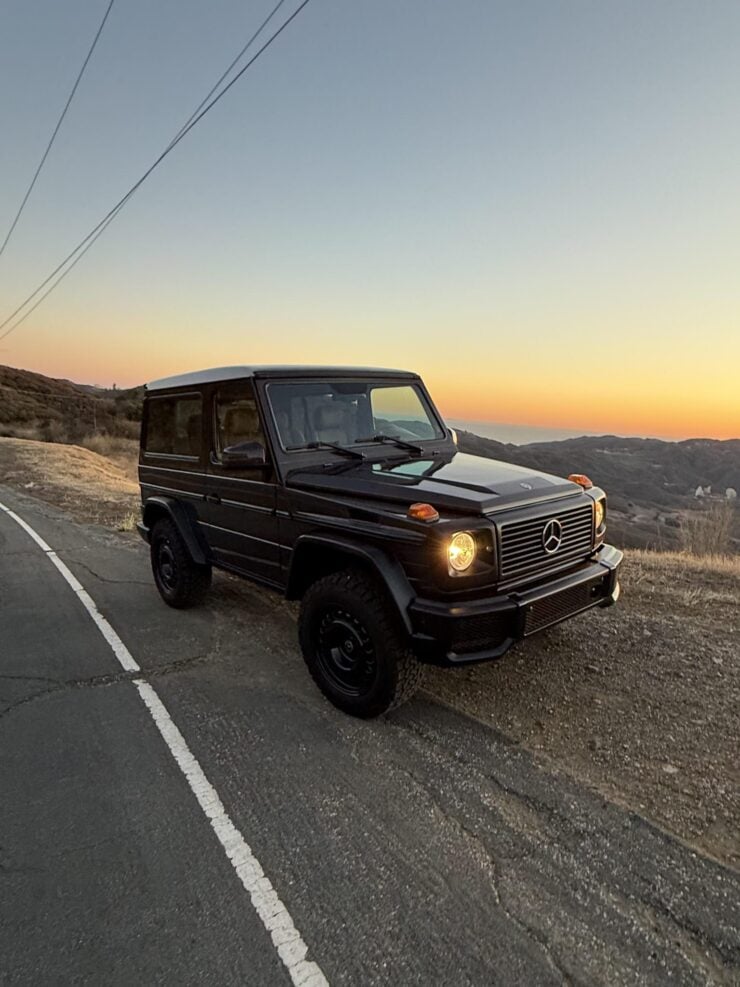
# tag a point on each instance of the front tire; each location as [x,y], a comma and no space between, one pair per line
[181,582]
[354,647]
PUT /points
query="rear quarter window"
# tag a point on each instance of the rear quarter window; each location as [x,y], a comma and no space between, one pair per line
[174,426]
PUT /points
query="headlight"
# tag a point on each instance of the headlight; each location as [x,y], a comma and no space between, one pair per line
[461,551]
[599,512]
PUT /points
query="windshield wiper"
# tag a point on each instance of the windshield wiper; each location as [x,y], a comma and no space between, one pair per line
[401,443]
[343,450]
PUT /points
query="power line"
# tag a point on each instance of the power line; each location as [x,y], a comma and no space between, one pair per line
[112,215]
[82,248]
[56,129]
[84,245]
[226,72]
[106,223]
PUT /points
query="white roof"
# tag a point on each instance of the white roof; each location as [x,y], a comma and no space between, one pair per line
[217,374]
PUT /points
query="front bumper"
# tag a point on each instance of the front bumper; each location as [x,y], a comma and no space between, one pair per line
[459,633]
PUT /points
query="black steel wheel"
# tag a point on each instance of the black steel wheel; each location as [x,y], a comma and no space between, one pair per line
[345,651]
[166,565]
[181,582]
[354,645]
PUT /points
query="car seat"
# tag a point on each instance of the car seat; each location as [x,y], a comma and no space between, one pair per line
[241,423]
[332,423]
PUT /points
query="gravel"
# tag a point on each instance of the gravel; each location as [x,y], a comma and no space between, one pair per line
[640,701]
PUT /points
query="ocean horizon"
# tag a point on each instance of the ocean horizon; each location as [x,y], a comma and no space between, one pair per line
[520,435]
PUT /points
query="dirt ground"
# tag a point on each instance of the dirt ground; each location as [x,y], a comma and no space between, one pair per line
[640,702]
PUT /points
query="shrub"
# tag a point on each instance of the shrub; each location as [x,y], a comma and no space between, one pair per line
[20,432]
[709,532]
[107,445]
[53,430]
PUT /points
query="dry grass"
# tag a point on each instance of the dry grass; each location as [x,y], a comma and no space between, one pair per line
[128,523]
[678,585]
[123,452]
[106,445]
[669,563]
[89,486]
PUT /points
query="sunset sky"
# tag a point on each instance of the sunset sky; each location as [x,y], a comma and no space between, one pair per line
[534,204]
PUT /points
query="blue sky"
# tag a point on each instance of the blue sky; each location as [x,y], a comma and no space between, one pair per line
[546,187]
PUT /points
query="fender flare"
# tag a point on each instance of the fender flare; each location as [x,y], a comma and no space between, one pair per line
[387,568]
[184,518]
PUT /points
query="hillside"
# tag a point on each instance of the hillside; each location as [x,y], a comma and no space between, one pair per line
[651,484]
[33,406]
[650,470]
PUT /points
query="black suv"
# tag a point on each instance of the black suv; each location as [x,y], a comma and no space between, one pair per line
[344,488]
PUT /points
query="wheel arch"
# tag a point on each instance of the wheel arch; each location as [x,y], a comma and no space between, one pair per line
[184,518]
[315,556]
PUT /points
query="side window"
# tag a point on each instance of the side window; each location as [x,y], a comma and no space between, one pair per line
[174,426]
[237,420]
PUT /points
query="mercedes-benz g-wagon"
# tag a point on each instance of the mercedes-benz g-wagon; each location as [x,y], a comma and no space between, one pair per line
[344,489]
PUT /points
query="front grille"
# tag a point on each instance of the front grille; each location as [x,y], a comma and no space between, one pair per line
[522,549]
[553,608]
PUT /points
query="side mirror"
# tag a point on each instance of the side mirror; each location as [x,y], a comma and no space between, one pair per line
[244,454]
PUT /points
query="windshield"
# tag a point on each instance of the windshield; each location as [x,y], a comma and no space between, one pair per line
[350,412]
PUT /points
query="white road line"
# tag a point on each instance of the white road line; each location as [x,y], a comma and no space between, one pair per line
[117,646]
[275,917]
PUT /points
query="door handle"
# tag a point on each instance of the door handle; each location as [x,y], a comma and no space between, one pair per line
[212,499]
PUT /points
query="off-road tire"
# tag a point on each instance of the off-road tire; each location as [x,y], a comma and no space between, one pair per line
[397,672]
[181,582]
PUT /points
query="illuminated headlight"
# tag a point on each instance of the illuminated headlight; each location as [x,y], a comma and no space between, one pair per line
[461,551]
[600,512]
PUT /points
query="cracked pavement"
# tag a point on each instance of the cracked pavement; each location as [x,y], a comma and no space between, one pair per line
[423,848]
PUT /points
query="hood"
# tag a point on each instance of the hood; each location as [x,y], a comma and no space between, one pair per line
[457,481]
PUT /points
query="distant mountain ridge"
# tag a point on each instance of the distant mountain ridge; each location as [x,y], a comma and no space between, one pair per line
[650,483]
[661,472]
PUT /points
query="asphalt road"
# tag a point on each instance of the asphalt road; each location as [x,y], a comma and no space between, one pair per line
[423,848]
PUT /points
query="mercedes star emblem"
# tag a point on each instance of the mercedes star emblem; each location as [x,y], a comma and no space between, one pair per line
[552,536]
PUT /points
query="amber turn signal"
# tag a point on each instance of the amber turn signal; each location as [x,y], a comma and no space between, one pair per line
[423,512]
[581,479]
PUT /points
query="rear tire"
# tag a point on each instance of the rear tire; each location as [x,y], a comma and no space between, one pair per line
[181,582]
[354,646]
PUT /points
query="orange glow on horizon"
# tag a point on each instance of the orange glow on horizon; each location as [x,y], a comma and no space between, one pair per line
[644,417]
[657,412]
[626,405]
[673,421]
